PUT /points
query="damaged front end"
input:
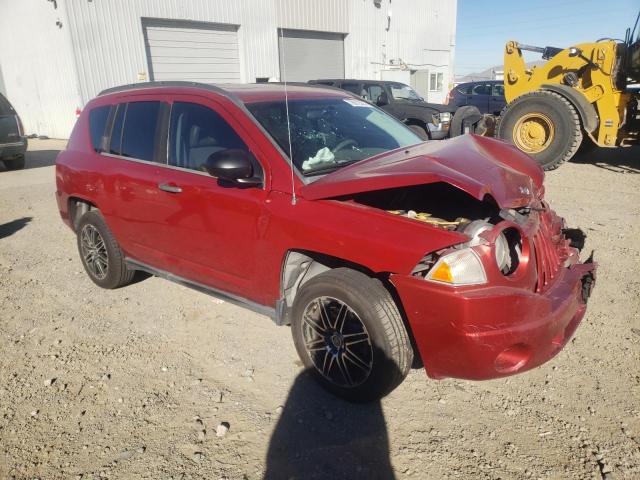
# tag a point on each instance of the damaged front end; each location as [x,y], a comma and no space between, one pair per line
[505,300]
[527,245]
[499,287]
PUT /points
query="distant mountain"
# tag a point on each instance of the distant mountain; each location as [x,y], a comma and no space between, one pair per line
[488,73]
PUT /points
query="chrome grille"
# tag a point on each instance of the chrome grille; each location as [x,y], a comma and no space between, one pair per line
[551,249]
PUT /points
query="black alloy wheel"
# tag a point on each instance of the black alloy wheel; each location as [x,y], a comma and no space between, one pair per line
[337,342]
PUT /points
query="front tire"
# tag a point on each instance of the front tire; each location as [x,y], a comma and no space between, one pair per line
[543,124]
[349,333]
[100,254]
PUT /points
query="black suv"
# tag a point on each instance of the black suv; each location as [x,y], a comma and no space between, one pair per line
[13,143]
[429,120]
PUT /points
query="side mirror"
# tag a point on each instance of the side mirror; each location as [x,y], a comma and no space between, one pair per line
[232,165]
[382,99]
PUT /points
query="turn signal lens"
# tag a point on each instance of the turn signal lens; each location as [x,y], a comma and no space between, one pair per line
[460,267]
[442,273]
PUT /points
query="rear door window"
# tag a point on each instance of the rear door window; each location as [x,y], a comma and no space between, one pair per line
[139,133]
[481,89]
[497,90]
[136,129]
[97,123]
[116,131]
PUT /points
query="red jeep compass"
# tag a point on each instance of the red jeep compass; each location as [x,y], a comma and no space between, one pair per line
[325,213]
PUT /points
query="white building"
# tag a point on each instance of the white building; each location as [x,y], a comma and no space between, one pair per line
[55,55]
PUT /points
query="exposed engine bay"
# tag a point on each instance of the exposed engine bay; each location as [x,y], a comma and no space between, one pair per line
[431,220]
[444,206]
[438,204]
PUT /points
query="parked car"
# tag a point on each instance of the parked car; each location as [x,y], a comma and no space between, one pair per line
[13,142]
[487,96]
[364,239]
[428,120]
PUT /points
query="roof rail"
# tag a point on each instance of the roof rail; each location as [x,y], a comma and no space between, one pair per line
[171,83]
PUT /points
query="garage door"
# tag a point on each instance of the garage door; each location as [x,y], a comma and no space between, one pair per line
[310,55]
[192,51]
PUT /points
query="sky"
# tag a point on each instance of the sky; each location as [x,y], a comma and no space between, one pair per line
[483,28]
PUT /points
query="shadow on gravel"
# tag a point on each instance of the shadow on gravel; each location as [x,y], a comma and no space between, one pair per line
[37,159]
[320,436]
[9,228]
[139,276]
[621,160]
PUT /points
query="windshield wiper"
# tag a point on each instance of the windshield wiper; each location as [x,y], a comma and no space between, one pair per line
[316,171]
[328,168]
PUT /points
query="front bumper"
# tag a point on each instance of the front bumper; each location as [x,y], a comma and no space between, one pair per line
[489,332]
[9,151]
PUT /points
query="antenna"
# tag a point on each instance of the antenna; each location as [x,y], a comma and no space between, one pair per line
[286,105]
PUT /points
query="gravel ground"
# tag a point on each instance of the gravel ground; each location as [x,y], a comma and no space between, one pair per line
[158,381]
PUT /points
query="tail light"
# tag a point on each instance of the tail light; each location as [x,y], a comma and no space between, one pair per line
[20,127]
[78,112]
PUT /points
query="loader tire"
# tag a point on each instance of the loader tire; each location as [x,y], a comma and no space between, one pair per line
[544,125]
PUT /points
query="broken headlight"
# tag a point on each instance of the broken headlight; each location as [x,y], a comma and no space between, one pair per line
[507,246]
[508,250]
[459,267]
[501,251]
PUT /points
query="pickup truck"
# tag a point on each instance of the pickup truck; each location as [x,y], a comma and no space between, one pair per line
[430,121]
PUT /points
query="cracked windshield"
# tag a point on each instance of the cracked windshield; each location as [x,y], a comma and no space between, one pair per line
[328,134]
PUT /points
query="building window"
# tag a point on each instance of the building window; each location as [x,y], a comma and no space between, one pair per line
[435,82]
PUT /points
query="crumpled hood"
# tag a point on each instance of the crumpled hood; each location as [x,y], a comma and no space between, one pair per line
[478,165]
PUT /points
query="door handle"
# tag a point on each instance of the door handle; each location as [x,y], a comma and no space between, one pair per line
[169,188]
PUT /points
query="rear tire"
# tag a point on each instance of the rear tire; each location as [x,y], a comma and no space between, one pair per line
[544,125]
[100,253]
[15,164]
[344,321]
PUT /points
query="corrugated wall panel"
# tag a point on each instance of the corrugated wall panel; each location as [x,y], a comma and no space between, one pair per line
[317,15]
[420,34]
[39,74]
[108,42]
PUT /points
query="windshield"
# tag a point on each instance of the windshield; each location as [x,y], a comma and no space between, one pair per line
[330,133]
[403,92]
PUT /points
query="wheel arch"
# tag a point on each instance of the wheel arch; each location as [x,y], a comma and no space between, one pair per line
[77,207]
[299,266]
[586,111]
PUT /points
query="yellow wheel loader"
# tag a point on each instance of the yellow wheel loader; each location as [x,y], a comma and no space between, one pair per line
[582,91]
